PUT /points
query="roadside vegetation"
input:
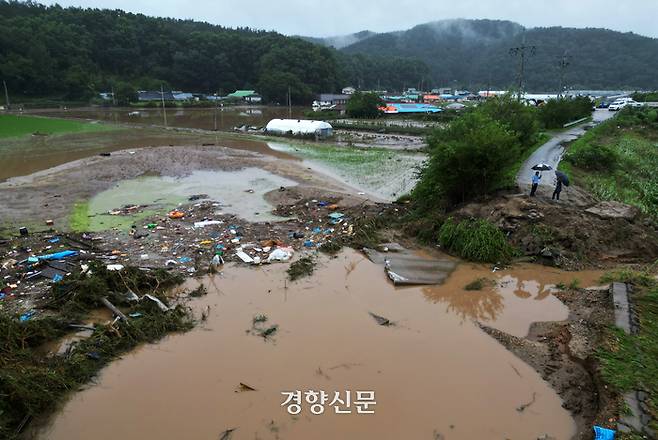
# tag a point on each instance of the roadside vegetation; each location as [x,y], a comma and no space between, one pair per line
[630,362]
[618,159]
[472,156]
[33,382]
[557,112]
[477,155]
[645,97]
[14,125]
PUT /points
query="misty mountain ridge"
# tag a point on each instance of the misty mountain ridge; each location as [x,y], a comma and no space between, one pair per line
[477,53]
[340,41]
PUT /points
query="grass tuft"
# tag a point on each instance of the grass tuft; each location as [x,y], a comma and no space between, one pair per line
[475,240]
[301,268]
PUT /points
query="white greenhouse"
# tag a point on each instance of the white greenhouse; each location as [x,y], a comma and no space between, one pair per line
[299,127]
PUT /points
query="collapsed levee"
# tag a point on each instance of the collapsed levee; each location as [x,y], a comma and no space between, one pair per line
[565,355]
[33,382]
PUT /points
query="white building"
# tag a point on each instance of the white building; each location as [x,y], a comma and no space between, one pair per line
[348,91]
[299,127]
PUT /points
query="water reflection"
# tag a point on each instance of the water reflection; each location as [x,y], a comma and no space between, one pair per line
[509,300]
[476,305]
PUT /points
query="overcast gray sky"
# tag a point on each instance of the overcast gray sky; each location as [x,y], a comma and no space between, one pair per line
[337,17]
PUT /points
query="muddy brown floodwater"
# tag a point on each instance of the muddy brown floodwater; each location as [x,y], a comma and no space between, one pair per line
[433,372]
[511,299]
[224,118]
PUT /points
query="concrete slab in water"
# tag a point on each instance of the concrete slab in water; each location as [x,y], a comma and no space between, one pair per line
[405,267]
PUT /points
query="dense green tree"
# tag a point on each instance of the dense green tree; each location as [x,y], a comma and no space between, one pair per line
[364,105]
[75,53]
[468,159]
[557,112]
[515,115]
[124,93]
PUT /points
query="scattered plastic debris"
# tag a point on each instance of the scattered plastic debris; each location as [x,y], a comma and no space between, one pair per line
[603,433]
[280,254]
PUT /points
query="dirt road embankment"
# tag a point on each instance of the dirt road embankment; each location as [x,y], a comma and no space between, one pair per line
[576,234]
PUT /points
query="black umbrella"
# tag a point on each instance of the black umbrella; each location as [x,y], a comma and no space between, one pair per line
[563,177]
[542,167]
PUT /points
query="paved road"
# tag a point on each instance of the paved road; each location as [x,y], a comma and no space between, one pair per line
[551,152]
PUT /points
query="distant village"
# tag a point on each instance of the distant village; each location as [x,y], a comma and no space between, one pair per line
[409,101]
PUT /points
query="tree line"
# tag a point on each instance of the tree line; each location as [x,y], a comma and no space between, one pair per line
[75,53]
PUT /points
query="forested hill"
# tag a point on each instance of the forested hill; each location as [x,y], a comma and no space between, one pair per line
[475,53]
[75,53]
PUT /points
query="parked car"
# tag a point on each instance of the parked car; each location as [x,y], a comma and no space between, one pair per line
[616,106]
[603,104]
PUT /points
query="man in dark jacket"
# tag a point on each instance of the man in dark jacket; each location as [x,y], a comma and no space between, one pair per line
[558,189]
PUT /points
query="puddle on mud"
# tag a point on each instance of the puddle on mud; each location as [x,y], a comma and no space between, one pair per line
[511,299]
[385,173]
[432,372]
[162,193]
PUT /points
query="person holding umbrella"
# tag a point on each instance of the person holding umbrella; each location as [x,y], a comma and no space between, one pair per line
[536,178]
[558,189]
[560,178]
[535,183]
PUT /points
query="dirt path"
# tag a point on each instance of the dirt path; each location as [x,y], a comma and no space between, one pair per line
[551,152]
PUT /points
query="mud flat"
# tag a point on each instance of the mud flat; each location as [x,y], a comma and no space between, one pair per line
[52,193]
[432,372]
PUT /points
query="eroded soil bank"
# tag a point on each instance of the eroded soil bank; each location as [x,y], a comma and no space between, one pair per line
[433,372]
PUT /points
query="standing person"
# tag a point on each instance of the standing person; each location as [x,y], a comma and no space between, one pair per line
[558,189]
[535,183]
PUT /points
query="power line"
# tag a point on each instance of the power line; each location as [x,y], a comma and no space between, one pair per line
[522,52]
[164,109]
[6,95]
[563,62]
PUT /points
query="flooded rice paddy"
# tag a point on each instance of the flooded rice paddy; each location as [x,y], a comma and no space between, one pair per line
[223,118]
[236,192]
[434,372]
[384,173]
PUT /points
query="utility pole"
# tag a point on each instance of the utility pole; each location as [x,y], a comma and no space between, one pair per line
[289,104]
[522,52]
[563,63]
[164,109]
[215,116]
[6,95]
[489,86]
